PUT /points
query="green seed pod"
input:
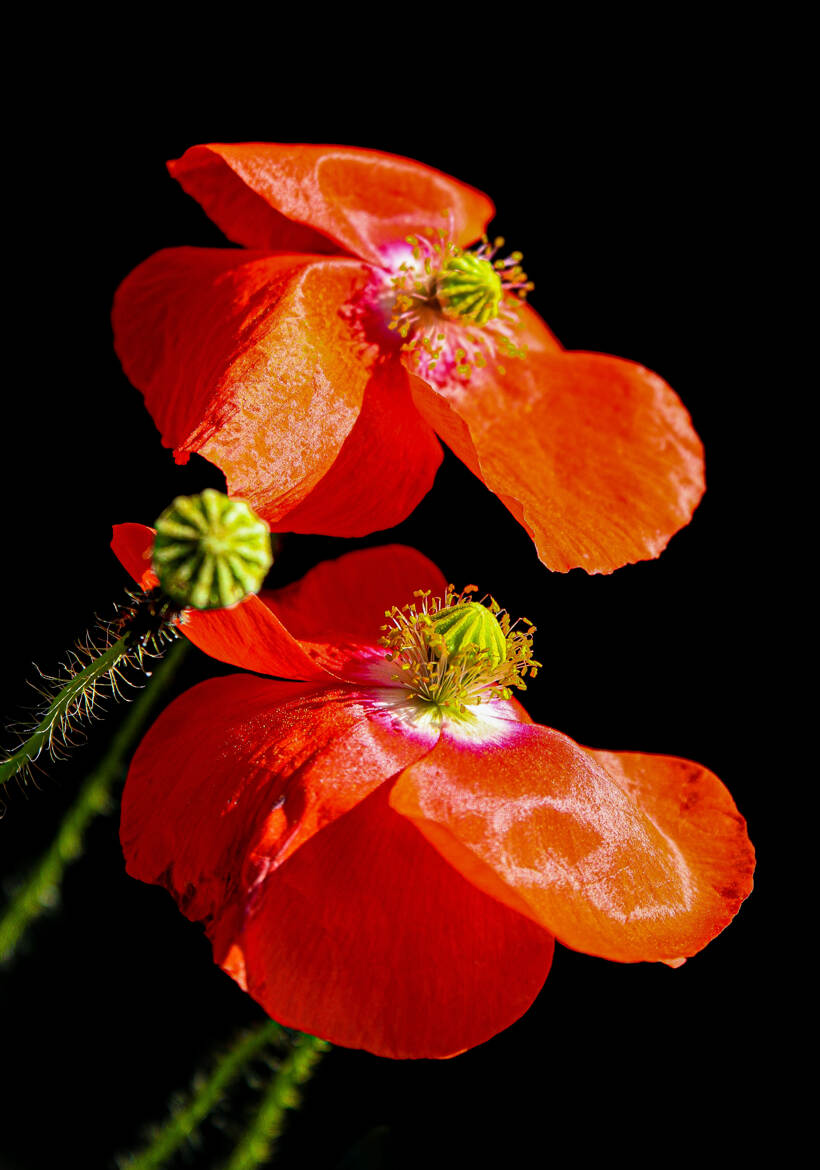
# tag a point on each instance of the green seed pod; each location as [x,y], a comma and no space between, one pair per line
[210,551]
[470,287]
[471,626]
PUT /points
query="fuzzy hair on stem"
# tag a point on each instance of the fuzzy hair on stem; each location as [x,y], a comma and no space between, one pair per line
[104,662]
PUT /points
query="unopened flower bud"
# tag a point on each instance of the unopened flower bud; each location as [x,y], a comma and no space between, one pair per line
[210,551]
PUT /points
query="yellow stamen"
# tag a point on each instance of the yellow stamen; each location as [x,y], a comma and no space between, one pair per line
[457,310]
[453,652]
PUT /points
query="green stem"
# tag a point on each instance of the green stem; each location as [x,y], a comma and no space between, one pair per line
[61,706]
[207,1094]
[256,1144]
[40,889]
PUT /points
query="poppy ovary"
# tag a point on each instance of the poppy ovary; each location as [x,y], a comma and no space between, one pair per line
[469,286]
[469,627]
[453,652]
[210,551]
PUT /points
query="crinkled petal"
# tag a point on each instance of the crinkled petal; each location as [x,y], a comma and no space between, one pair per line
[249,360]
[337,609]
[386,465]
[438,407]
[346,599]
[594,455]
[288,196]
[239,772]
[691,805]
[629,857]
[248,635]
[248,800]
[367,937]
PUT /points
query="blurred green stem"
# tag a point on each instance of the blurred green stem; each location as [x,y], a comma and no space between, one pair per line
[265,1127]
[40,889]
[206,1094]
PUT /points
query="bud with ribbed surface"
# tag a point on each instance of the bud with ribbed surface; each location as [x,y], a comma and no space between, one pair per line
[210,551]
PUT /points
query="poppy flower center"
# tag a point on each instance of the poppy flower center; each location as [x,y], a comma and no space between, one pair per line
[452,652]
[457,309]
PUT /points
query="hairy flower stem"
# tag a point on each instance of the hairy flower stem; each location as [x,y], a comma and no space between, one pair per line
[256,1144]
[206,1094]
[59,708]
[40,888]
[144,627]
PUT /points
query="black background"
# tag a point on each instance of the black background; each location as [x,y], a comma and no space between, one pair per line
[631,184]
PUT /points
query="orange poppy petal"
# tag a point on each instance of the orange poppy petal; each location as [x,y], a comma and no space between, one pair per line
[386,465]
[534,333]
[346,599]
[239,772]
[367,937]
[337,609]
[691,805]
[440,409]
[287,195]
[132,545]
[248,635]
[595,456]
[628,857]
[251,637]
[248,360]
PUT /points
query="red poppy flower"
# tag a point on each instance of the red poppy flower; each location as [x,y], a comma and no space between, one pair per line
[316,365]
[389,877]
